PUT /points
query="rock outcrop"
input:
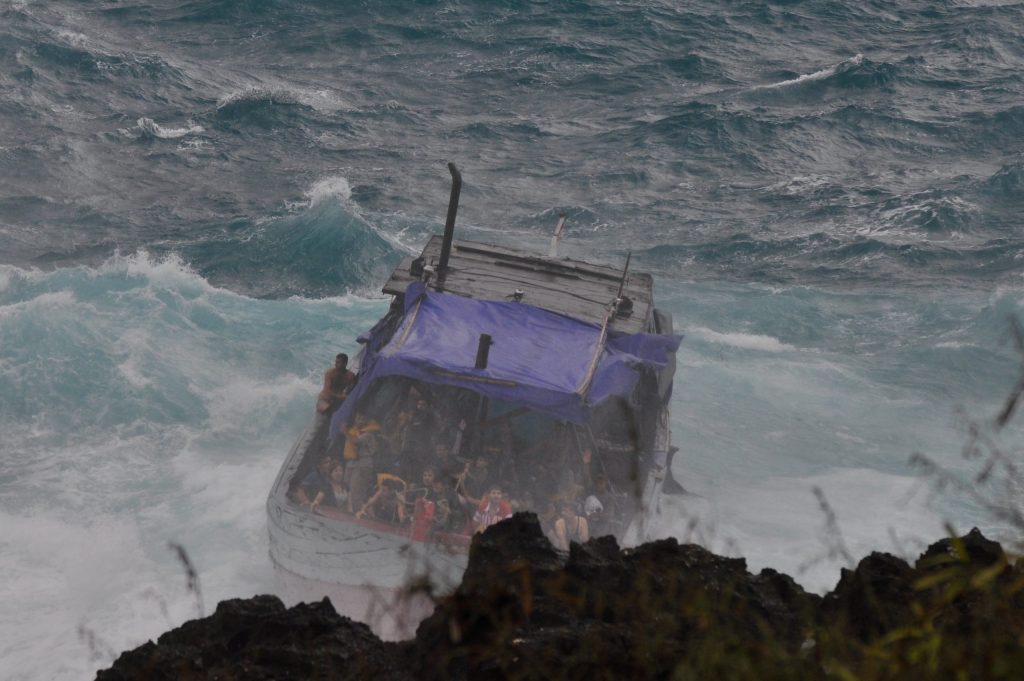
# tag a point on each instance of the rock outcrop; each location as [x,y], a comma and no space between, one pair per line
[662,610]
[259,639]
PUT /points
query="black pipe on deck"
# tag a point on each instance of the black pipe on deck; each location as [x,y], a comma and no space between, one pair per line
[483,350]
[449,225]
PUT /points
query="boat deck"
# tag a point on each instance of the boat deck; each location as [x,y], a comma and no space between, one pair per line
[571,287]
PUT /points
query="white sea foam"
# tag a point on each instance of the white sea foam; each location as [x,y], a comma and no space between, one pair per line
[817,75]
[849,437]
[1014,292]
[745,341]
[151,127]
[7,274]
[232,492]
[322,100]
[135,344]
[327,188]
[347,301]
[169,271]
[923,210]
[193,144]
[89,586]
[799,185]
[777,522]
[73,38]
[336,187]
[55,299]
[246,399]
[256,94]
[95,558]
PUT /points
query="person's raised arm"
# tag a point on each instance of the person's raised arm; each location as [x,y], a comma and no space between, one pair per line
[460,487]
[400,501]
[369,504]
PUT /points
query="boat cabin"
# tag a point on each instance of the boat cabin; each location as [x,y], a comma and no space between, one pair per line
[500,381]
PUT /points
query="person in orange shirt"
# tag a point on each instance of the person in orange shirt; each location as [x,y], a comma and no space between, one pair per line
[358,455]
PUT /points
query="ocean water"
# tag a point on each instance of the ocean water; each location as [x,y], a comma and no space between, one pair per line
[199,201]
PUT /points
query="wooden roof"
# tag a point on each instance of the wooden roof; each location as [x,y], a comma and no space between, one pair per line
[572,287]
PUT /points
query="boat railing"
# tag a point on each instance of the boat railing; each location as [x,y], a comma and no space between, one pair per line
[452,540]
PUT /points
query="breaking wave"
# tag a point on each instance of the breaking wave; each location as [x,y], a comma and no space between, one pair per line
[846,66]
[151,128]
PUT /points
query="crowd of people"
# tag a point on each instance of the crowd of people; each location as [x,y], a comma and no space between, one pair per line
[410,466]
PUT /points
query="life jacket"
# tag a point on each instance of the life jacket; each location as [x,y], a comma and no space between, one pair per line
[350,452]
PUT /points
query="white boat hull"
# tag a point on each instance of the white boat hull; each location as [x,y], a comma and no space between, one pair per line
[331,550]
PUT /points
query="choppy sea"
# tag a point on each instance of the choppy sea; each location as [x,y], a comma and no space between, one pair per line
[200,199]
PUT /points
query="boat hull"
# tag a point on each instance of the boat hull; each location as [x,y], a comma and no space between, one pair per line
[343,552]
[392,614]
[370,574]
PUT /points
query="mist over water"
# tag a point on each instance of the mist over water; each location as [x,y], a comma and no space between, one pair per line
[199,202]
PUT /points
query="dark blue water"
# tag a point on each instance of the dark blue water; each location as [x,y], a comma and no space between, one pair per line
[199,202]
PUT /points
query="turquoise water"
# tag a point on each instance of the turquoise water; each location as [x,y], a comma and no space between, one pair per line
[200,200]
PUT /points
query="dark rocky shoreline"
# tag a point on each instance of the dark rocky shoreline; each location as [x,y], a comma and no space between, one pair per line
[659,611]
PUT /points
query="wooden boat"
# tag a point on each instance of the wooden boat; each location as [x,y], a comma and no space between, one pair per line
[559,370]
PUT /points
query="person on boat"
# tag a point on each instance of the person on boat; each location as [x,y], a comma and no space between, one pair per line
[474,481]
[387,503]
[522,501]
[448,513]
[396,435]
[361,437]
[340,499]
[492,509]
[359,456]
[446,466]
[338,380]
[611,503]
[317,483]
[436,488]
[570,527]
[585,474]
[503,464]
[547,516]
[426,487]
[593,509]
[422,425]
[432,489]
[539,471]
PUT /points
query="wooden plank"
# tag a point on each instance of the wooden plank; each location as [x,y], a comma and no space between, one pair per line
[575,288]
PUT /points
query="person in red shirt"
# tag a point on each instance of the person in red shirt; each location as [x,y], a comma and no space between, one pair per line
[493,508]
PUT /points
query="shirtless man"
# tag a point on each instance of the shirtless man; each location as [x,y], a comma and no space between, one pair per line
[337,382]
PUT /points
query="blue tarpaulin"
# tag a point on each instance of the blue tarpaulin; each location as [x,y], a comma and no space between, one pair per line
[539,359]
